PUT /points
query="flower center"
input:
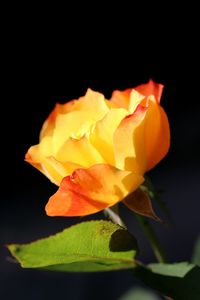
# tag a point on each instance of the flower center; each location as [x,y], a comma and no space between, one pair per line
[85,129]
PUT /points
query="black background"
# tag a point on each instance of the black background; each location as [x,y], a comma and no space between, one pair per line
[34,80]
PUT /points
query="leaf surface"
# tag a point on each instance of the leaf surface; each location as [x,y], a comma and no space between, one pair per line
[87,246]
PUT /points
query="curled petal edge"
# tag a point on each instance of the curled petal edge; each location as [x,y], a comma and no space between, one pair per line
[88,191]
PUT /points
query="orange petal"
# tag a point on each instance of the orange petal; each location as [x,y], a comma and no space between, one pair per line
[88,191]
[143,138]
[151,88]
[140,203]
[130,98]
[121,98]
[157,134]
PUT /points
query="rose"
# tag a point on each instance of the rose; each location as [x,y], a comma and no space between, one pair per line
[97,151]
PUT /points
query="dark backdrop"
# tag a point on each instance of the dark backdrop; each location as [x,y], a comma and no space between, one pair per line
[33,84]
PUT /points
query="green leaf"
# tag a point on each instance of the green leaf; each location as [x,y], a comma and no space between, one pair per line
[180,281]
[88,246]
[196,254]
[176,270]
[139,294]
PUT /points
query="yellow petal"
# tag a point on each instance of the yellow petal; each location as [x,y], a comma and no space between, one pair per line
[129,145]
[43,164]
[111,104]
[102,135]
[30,157]
[37,152]
[128,99]
[58,170]
[38,156]
[75,124]
[80,152]
[49,124]
[92,102]
[135,100]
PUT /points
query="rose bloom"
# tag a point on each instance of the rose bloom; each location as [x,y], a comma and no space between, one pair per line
[97,151]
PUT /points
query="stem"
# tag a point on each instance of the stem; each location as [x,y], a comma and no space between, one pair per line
[113,214]
[152,238]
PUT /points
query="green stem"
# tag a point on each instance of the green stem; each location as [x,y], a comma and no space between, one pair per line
[113,214]
[152,238]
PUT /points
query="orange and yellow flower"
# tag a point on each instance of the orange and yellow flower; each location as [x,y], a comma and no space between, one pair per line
[98,150]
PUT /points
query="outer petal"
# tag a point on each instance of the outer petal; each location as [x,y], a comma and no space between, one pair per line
[129,146]
[131,98]
[157,134]
[30,160]
[49,124]
[37,153]
[135,99]
[88,191]
[44,165]
[121,98]
[143,138]
[49,165]
[151,88]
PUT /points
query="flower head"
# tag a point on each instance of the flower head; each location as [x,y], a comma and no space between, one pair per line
[97,151]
